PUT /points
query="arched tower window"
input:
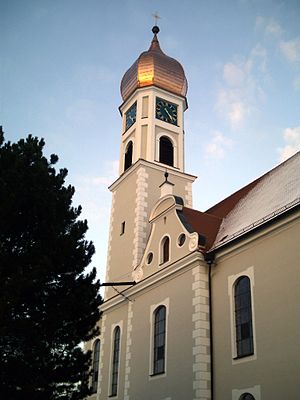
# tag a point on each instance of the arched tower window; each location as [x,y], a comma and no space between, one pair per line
[166,151]
[165,250]
[243,317]
[115,361]
[128,156]
[95,370]
[159,340]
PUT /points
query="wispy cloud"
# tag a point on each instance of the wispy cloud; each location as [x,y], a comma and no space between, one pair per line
[269,25]
[111,170]
[233,74]
[218,146]
[291,49]
[240,88]
[291,137]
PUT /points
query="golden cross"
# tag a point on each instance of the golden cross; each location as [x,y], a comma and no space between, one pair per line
[156,17]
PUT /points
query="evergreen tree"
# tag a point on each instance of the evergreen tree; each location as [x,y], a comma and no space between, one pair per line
[48,304]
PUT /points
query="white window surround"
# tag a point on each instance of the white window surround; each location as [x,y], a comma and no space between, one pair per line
[249,272]
[125,146]
[153,307]
[113,326]
[160,255]
[254,390]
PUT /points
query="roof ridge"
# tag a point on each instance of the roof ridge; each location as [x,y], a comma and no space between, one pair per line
[257,223]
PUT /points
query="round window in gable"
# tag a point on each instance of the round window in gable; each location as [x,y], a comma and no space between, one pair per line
[181,239]
[149,258]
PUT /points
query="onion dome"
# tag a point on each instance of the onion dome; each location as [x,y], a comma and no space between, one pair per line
[154,67]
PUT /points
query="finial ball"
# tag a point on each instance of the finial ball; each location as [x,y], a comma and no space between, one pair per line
[155,29]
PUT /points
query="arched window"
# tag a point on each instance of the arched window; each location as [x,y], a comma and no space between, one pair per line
[95,370]
[165,250]
[159,340]
[128,156]
[247,396]
[115,361]
[243,317]
[166,152]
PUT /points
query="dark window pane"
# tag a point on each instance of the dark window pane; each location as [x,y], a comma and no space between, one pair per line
[166,155]
[96,354]
[165,250]
[128,156]
[243,317]
[159,340]
[247,396]
[115,362]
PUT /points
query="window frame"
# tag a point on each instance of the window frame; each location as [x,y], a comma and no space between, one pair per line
[242,312]
[95,371]
[153,308]
[125,164]
[163,261]
[254,391]
[113,364]
[159,318]
[232,279]
[160,151]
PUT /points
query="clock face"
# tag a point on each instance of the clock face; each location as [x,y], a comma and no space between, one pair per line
[166,111]
[130,116]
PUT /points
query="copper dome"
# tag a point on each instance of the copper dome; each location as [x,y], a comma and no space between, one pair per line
[154,67]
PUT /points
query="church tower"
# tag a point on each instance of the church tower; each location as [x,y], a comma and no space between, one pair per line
[153,244]
[152,142]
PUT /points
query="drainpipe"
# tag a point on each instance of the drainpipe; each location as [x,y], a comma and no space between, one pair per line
[210,258]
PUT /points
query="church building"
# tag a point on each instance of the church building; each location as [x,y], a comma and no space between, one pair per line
[200,305]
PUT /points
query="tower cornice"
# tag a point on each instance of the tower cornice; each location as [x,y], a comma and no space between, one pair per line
[155,166]
[145,89]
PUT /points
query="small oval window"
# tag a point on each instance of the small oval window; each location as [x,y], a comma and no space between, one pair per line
[149,258]
[181,239]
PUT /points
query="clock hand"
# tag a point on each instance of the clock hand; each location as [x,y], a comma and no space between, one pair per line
[168,113]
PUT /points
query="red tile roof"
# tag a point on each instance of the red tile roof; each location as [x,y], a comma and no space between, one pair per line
[259,202]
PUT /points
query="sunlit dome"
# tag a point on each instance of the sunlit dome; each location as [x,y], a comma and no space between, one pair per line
[154,67]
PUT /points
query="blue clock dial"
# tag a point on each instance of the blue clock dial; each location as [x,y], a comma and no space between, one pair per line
[130,116]
[166,111]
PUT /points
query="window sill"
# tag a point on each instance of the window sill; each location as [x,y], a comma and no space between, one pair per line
[158,373]
[243,356]
[244,359]
[157,376]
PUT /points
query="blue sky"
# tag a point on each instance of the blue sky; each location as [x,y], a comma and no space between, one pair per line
[61,66]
